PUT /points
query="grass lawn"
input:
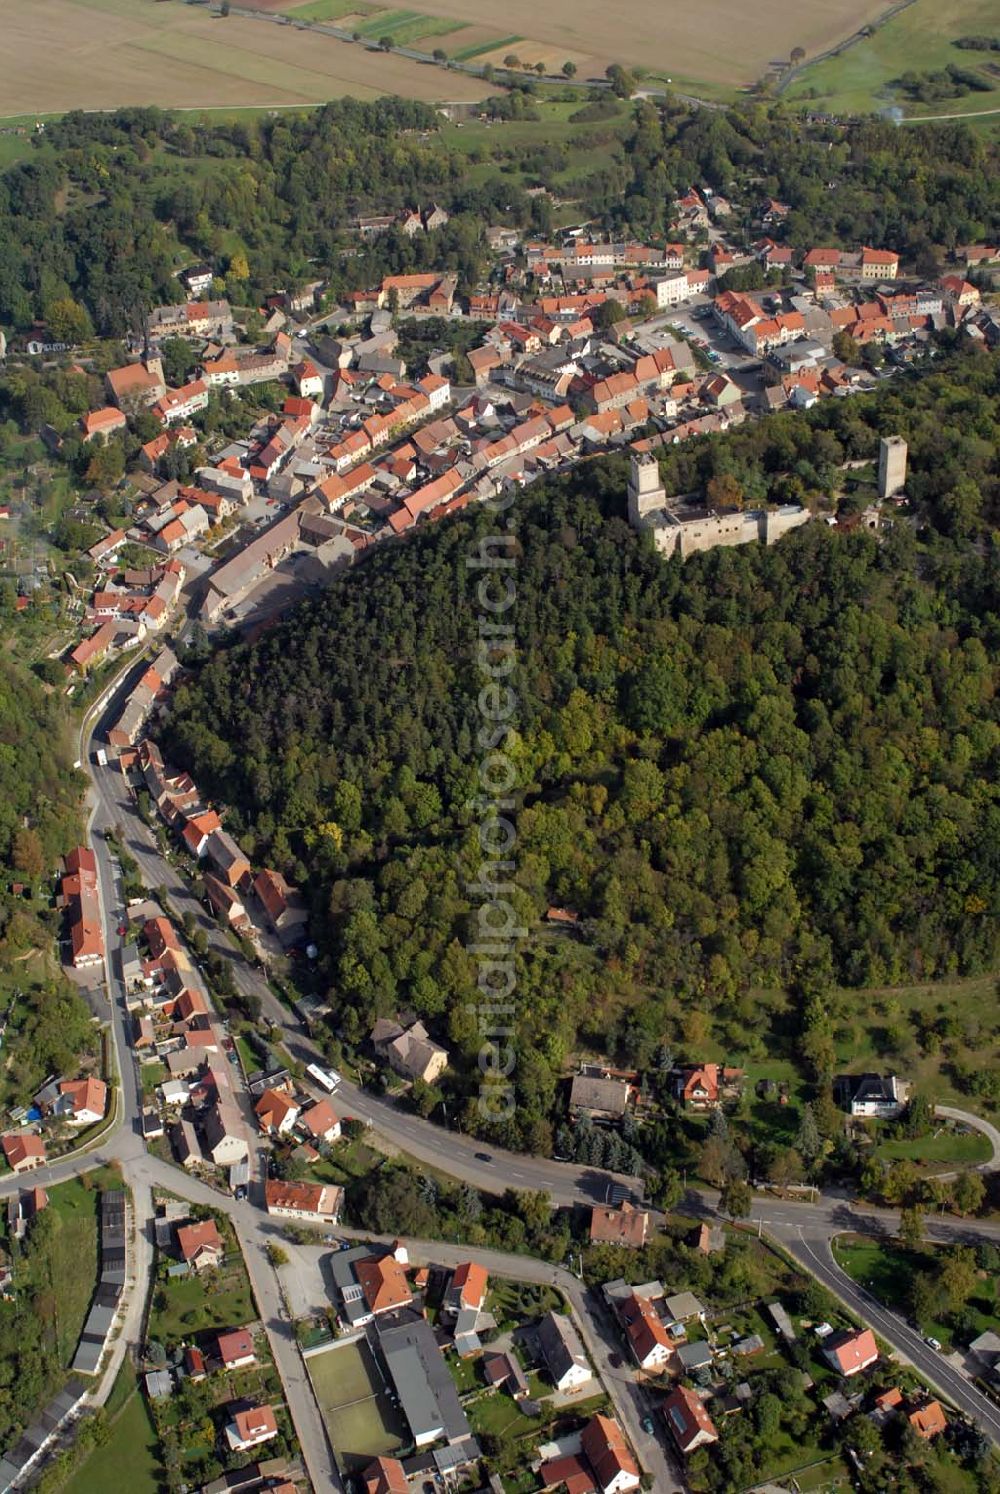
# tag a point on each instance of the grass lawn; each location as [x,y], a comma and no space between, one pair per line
[902,1028]
[479,49]
[72,1261]
[183,1305]
[248,1057]
[497,1413]
[920,39]
[330,10]
[132,1446]
[553,127]
[939,1148]
[152,1074]
[348,1160]
[406,27]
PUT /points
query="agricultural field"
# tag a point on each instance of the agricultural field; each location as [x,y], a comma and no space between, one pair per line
[921,39]
[721,42]
[104,53]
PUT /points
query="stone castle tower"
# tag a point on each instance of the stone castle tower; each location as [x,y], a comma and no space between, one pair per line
[891,466]
[646,493]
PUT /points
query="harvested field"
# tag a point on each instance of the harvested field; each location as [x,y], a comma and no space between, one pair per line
[722,41]
[96,54]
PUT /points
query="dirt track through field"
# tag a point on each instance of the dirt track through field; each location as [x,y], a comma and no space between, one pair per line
[97,54]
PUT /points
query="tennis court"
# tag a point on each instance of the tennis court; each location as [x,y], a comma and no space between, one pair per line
[360,1418]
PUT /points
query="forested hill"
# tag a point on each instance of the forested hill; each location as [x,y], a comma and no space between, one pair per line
[761,768]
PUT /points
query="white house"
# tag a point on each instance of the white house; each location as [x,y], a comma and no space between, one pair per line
[882,1096]
[564,1355]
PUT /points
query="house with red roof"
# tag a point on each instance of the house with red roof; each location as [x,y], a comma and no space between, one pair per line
[646,1333]
[466,1290]
[136,385]
[383,1283]
[318,1203]
[569,1473]
[200,1244]
[197,829]
[79,895]
[161,936]
[928,1420]
[879,264]
[822,259]
[103,422]
[250,1426]
[706,1086]
[24,1151]
[625,1226]
[385,1476]
[320,1122]
[687,1420]
[609,1455]
[236,1348]
[849,1353]
[82,1102]
[286,911]
[958,292]
[276,1111]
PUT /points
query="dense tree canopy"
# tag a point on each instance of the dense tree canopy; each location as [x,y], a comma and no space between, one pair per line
[761,768]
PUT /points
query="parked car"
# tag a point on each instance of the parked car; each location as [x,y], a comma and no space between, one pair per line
[932,1343]
[648,1425]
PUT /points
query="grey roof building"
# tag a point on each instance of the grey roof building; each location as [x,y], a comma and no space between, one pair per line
[562,1351]
[423,1383]
[694,1356]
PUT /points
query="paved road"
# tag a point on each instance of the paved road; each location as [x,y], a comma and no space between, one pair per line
[125,1145]
[815,1254]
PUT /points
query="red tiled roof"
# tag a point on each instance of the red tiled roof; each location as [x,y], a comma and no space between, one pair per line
[383,1282]
[193,1238]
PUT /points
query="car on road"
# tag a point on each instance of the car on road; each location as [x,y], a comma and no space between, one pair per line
[483,1157]
[648,1425]
[932,1343]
